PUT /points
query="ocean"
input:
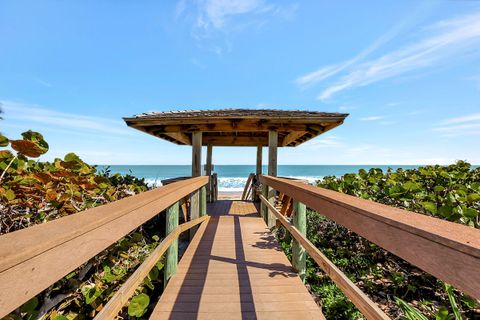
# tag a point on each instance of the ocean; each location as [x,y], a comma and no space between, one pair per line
[232,178]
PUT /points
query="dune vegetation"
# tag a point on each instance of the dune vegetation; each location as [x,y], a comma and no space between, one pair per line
[402,290]
[34,192]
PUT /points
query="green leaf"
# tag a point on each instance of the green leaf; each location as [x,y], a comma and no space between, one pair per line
[411,186]
[411,313]
[91,293]
[6,154]
[445,211]
[470,213]
[3,141]
[429,206]
[30,305]
[439,188]
[473,197]
[138,305]
[154,273]
[9,195]
[453,302]
[72,157]
[442,313]
[60,317]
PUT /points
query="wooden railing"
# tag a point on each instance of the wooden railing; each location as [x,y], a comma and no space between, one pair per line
[447,250]
[32,259]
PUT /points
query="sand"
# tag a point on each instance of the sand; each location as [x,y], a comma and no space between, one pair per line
[229,195]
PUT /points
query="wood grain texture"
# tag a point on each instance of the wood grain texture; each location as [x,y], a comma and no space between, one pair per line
[36,257]
[121,297]
[235,269]
[171,259]
[196,154]
[368,308]
[447,250]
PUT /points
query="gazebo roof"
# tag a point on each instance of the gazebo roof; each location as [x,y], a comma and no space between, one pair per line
[236,127]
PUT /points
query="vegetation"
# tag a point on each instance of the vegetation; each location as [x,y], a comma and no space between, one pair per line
[33,192]
[401,290]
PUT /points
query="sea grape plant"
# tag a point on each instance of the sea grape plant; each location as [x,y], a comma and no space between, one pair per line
[33,192]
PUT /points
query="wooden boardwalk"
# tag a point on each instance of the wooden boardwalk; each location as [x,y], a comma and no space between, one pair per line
[234,269]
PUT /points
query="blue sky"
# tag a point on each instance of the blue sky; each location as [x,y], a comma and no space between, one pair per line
[408,72]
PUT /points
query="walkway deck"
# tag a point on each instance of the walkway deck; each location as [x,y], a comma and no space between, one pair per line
[234,269]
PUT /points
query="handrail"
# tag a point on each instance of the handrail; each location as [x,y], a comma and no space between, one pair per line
[447,250]
[363,303]
[248,185]
[122,296]
[30,257]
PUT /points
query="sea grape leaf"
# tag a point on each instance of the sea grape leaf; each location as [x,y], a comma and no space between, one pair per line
[429,206]
[9,195]
[26,147]
[470,213]
[3,141]
[6,154]
[37,138]
[138,305]
[72,157]
[154,273]
[473,197]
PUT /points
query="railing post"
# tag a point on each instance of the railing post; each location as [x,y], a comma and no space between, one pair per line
[194,210]
[299,256]
[271,219]
[203,201]
[172,252]
[263,207]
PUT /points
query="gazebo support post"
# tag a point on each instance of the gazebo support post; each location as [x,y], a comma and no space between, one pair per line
[272,171]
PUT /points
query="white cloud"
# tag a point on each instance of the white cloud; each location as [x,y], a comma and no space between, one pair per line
[467,118]
[210,16]
[331,70]
[33,113]
[324,142]
[459,126]
[346,108]
[443,40]
[372,118]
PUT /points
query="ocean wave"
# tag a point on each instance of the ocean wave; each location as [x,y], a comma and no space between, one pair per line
[233,184]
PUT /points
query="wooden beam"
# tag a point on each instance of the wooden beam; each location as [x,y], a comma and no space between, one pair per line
[196,154]
[180,137]
[368,308]
[210,125]
[292,137]
[447,250]
[234,141]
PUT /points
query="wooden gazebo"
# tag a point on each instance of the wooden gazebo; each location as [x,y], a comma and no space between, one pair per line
[236,127]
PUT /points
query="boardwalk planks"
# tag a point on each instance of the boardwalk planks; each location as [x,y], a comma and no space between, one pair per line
[235,269]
